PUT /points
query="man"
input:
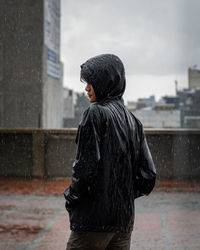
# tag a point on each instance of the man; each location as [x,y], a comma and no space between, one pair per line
[113,165]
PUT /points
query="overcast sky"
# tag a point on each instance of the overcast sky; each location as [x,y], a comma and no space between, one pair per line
[156,40]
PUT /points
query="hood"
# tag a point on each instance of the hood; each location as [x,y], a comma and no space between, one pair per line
[107,76]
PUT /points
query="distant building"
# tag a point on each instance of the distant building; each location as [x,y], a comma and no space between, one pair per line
[190,108]
[159,118]
[173,100]
[69,119]
[182,110]
[131,106]
[163,106]
[193,78]
[152,114]
[31,93]
[146,102]
[68,103]
[141,103]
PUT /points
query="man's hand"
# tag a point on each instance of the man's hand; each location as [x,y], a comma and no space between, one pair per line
[67,208]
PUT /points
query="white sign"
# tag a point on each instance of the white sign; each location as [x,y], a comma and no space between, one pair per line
[53,65]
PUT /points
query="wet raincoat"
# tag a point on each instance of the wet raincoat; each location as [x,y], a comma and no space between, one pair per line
[113,165]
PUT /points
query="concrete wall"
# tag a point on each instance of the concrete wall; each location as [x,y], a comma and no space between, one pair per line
[28,97]
[21,39]
[176,153]
[50,153]
[159,118]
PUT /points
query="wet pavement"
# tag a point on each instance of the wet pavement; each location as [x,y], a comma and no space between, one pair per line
[32,216]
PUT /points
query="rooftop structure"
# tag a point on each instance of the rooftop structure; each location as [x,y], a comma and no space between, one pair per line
[193,78]
[30,67]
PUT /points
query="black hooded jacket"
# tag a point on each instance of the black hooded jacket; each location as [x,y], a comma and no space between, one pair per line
[113,165]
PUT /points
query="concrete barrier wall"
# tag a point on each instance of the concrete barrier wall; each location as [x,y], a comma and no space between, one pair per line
[50,153]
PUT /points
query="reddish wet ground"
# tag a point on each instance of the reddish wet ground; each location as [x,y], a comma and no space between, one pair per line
[32,216]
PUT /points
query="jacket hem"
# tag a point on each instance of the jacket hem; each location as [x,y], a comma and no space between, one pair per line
[110,229]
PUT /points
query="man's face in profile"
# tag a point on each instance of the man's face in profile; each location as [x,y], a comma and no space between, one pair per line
[90,92]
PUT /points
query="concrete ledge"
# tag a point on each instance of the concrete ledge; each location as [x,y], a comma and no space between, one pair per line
[37,130]
[50,152]
[74,131]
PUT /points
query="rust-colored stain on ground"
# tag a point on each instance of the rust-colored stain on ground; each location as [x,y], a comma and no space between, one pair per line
[22,187]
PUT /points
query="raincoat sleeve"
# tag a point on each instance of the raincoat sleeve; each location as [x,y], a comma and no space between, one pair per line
[88,155]
[146,172]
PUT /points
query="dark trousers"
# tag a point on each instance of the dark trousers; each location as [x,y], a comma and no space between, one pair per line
[99,241]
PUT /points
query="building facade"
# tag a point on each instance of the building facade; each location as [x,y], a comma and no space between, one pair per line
[30,67]
[159,118]
[190,108]
[193,78]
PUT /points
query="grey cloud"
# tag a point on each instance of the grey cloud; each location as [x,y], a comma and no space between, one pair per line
[151,37]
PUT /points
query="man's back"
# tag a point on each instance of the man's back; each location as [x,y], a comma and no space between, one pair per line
[113,165]
[112,137]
